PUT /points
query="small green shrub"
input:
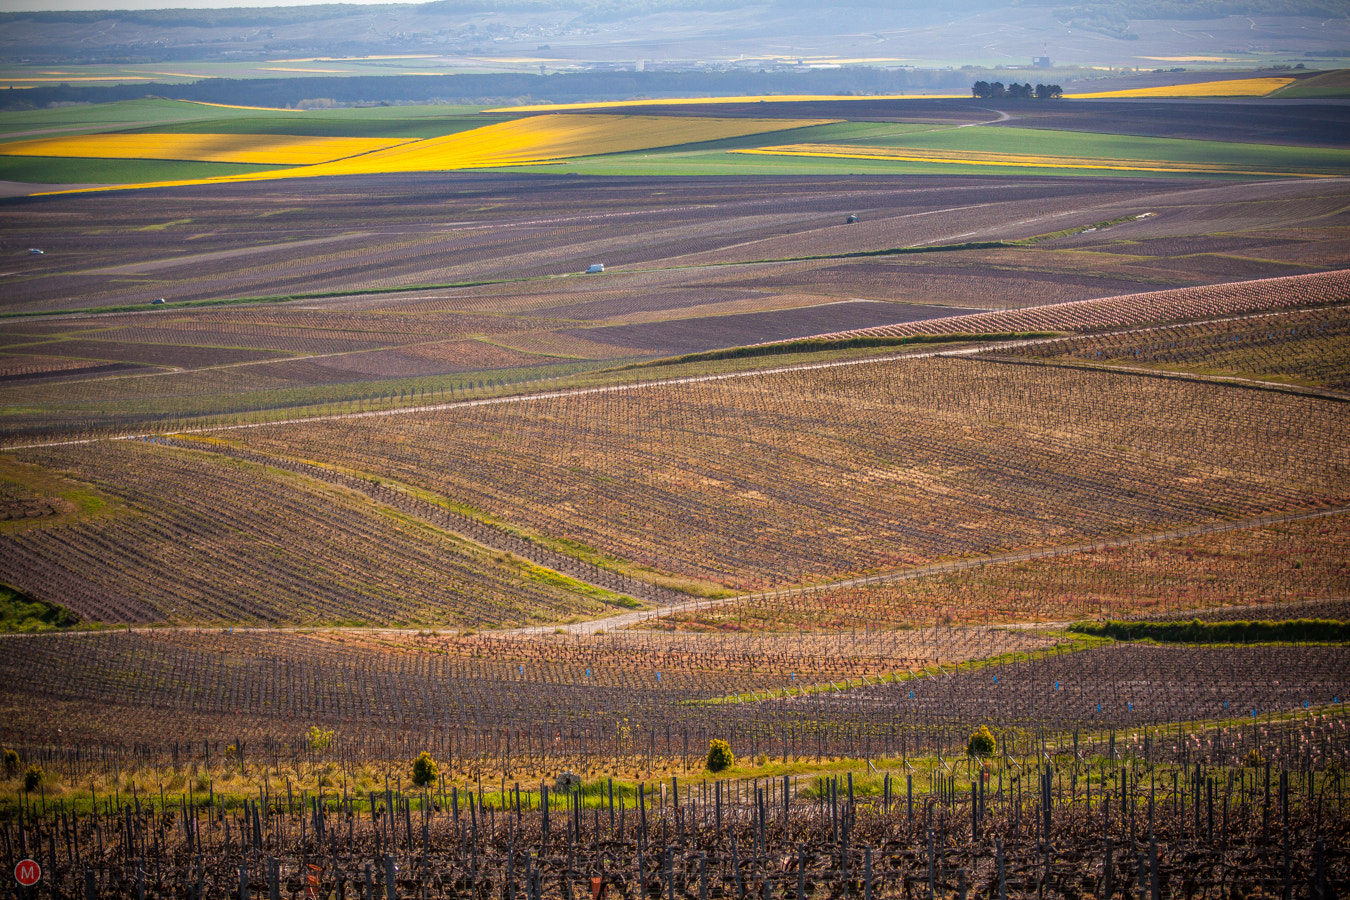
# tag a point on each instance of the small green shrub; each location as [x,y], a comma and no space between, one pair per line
[11,763]
[1253,759]
[720,757]
[981,743]
[33,778]
[425,770]
[320,739]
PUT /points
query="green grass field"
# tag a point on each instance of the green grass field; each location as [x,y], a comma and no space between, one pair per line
[107,116]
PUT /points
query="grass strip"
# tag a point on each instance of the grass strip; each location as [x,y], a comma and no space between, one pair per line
[22,613]
[1293,631]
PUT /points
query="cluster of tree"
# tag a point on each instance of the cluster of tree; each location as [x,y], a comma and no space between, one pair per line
[983,90]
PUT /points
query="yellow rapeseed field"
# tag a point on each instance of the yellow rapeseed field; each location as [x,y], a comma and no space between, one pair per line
[262,149]
[539,139]
[1018,160]
[1237,87]
[519,142]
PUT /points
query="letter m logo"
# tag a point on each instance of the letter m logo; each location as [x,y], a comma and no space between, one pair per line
[27,872]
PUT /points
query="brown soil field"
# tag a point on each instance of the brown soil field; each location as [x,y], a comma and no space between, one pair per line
[1235,119]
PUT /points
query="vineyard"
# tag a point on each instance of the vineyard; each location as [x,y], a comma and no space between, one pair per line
[1307,347]
[391,556]
[1073,802]
[199,540]
[814,475]
[402,291]
[1258,573]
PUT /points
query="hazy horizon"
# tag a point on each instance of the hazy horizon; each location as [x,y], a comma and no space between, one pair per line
[81,5]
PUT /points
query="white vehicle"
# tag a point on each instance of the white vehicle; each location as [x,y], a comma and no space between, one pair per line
[33,251]
[595,268]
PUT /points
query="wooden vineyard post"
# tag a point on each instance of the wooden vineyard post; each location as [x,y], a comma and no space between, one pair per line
[1002,872]
[1108,873]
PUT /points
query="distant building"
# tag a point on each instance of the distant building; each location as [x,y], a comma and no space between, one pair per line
[1041,62]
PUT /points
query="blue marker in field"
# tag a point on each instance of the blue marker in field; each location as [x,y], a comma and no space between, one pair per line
[588,673]
[658,676]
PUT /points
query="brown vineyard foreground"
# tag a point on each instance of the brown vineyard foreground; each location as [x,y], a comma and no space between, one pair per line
[1175,815]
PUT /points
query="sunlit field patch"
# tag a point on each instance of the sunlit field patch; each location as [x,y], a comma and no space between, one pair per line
[1017,160]
[543,138]
[261,149]
[1237,87]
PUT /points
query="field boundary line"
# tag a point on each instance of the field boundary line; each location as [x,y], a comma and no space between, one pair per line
[625,620]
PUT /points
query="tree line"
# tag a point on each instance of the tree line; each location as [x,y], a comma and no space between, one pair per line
[983,90]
